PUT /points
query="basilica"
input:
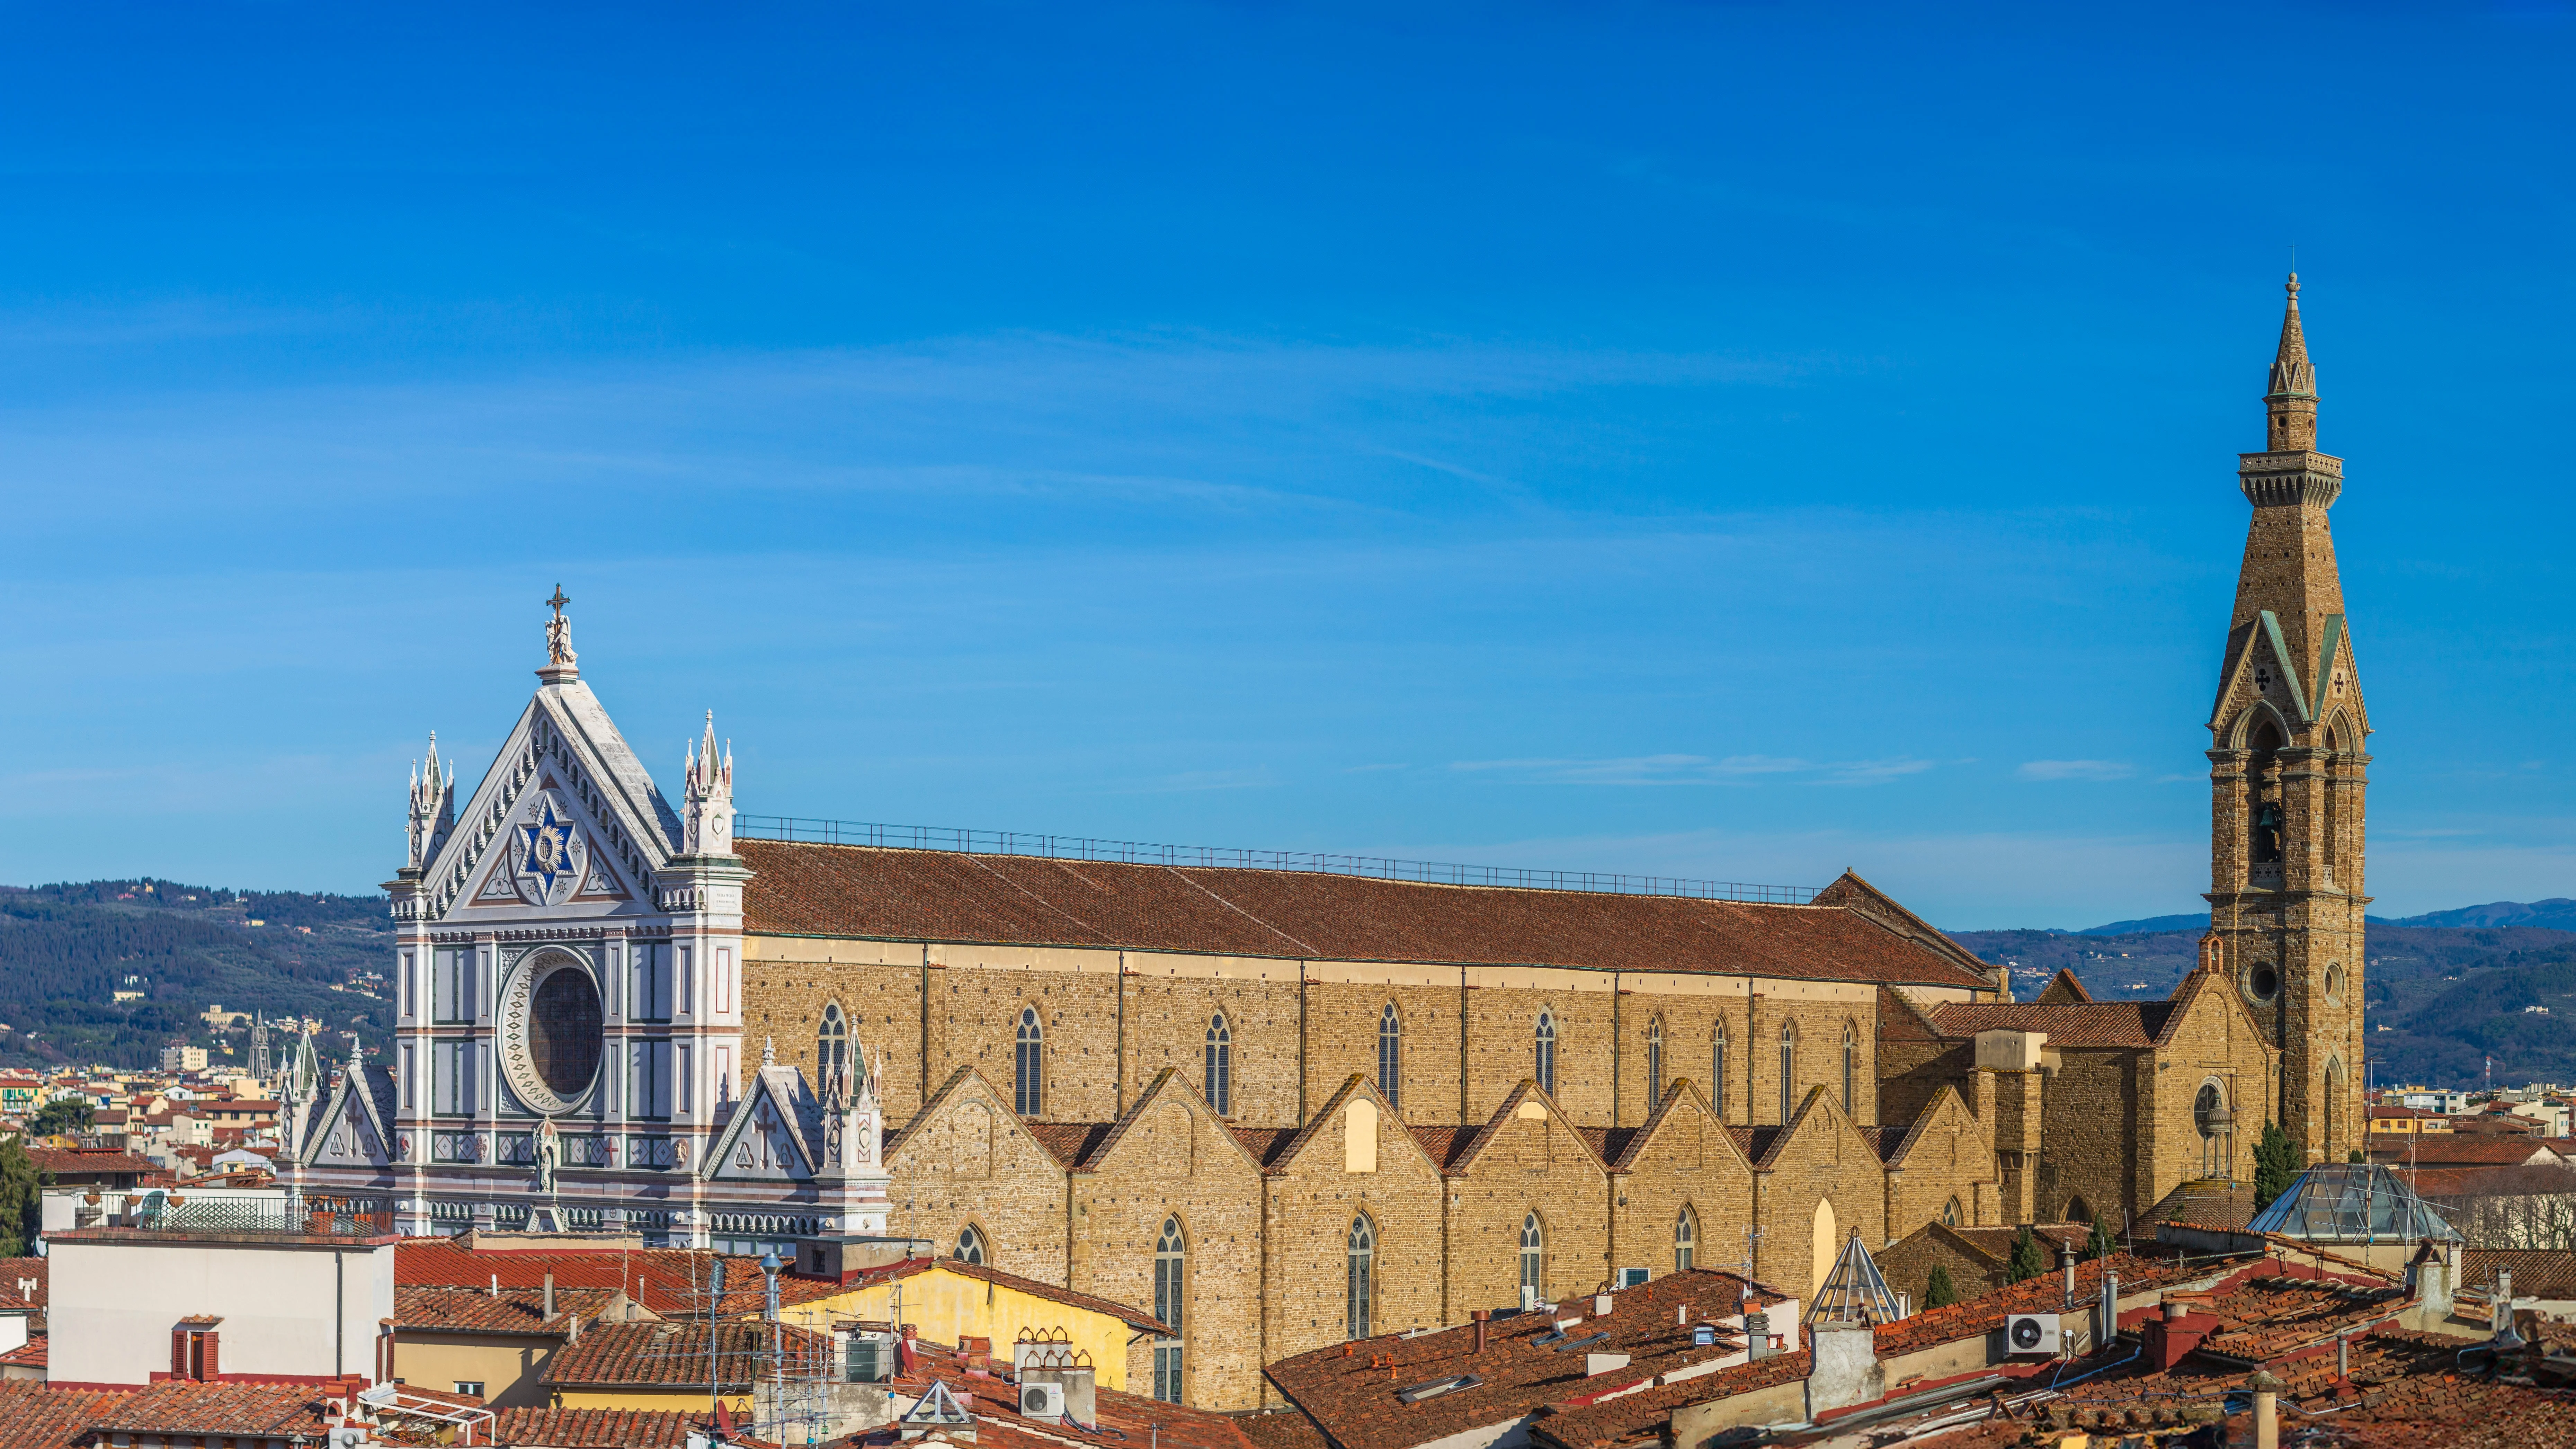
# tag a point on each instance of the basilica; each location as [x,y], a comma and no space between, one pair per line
[1242,1093]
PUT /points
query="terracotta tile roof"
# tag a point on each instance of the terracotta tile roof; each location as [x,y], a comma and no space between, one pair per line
[1613,1144]
[677,1354]
[13,1272]
[2445,1149]
[258,1410]
[30,1354]
[2132,1024]
[1071,1143]
[930,895]
[1755,1143]
[1637,1418]
[1283,1429]
[2271,1316]
[2062,987]
[2537,1272]
[1126,1421]
[1350,1391]
[668,1281]
[2203,1203]
[68,1164]
[593,1428]
[1265,1143]
[420,1308]
[2138,1271]
[1445,1145]
[1996,1244]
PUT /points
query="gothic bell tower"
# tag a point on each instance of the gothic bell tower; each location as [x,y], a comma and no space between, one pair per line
[2287,778]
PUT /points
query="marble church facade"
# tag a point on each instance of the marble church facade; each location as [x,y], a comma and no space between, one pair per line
[1278,1107]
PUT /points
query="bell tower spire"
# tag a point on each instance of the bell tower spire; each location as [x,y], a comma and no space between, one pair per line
[2288,777]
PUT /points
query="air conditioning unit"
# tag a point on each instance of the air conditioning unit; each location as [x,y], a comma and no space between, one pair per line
[1042,1401]
[2031,1333]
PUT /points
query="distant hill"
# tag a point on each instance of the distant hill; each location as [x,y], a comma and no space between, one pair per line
[66,951]
[2557,914]
[2199,922]
[2451,994]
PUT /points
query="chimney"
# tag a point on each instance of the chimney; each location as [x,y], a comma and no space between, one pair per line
[2110,1314]
[2267,1419]
[2066,1265]
[1757,1336]
[550,1293]
[2503,1316]
[1483,1316]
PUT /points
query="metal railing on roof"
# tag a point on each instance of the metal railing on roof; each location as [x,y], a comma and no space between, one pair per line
[1130,852]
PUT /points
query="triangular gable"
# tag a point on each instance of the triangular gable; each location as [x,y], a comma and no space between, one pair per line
[1850,891]
[2187,992]
[1684,1095]
[772,1135]
[566,812]
[1528,1101]
[2062,990]
[2333,660]
[1946,1105]
[2259,641]
[351,1133]
[935,1408]
[1169,1090]
[1818,1113]
[1356,1085]
[965,1081]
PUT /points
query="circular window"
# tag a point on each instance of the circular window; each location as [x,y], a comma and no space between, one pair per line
[551,1032]
[2263,981]
[2334,985]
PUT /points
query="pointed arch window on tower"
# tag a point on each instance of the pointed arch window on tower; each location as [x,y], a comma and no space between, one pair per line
[1788,1071]
[831,1044]
[1654,1064]
[1028,1066]
[970,1246]
[1717,1070]
[1171,1294]
[1544,1050]
[1685,1239]
[1390,1056]
[1220,1066]
[1363,1263]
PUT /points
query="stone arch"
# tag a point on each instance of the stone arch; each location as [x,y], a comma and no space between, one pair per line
[2240,734]
[974,1245]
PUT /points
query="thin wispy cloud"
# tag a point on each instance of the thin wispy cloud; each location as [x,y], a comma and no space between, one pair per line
[2075,770]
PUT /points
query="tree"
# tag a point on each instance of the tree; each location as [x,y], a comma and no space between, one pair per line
[2102,1245]
[2027,1260]
[1938,1290]
[21,1200]
[63,1114]
[2355,1156]
[2276,1165]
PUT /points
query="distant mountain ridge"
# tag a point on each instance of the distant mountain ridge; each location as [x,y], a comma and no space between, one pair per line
[2558,913]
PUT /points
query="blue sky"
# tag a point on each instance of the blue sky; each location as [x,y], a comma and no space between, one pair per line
[1722,441]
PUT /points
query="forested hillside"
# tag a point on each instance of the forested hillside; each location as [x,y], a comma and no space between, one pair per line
[66,951]
[2450,995]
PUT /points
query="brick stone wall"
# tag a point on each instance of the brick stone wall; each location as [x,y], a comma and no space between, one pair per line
[1537,1162]
[1948,1160]
[1168,1021]
[1688,1160]
[1824,1159]
[1342,1038]
[968,1160]
[1315,1196]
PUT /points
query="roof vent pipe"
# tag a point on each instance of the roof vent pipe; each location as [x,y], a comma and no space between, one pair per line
[550,1294]
[1482,1316]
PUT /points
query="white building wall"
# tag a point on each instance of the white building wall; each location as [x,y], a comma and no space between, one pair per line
[297,1308]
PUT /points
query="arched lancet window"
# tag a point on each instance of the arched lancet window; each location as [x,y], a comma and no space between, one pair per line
[1685,1239]
[1220,1066]
[1533,1256]
[1546,1052]
[1028,1066]
[1654,1064]
[1851,1070]
[1950,1213]
[831,1045]
[1788,1071]
[1171,1293]
[2078,1210]
[1717,1070]
[1390,1056]
[1363,1260]
[970,1246]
